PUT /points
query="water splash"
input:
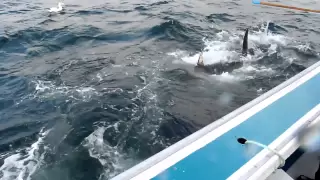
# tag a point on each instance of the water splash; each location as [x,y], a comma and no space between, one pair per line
[24,163]
[225,48]
[111,158]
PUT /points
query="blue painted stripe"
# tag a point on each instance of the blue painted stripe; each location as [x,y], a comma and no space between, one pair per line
[256,1]
[222,157]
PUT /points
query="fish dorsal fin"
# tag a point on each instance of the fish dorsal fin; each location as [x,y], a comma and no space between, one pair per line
[200,60]
[245,43]
[267,28]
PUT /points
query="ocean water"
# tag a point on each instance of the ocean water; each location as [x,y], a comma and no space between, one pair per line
[90,92]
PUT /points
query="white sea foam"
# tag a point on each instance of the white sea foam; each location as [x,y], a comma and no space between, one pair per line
[111,158]
[47,89]
[22,165]
[227,77]
[222,49]
[304,47]
[215,51]
[261,37]
[255,69]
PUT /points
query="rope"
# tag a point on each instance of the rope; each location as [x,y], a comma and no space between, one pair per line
[245,141]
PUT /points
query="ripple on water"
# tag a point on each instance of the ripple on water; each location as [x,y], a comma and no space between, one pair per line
[106,85]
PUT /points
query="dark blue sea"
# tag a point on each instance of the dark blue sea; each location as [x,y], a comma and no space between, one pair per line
[91,91]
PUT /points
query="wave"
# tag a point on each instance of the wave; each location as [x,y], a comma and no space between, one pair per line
[293,68]
[113,116]
[149,6]
[141,8]
[120,10]
[89,12]
[276,28]
[47,89]
[98,10]
[23,164]
[37,41]
[102,134]
[15,136]
[174,129]
[174,30]
[13,89]
[304,51]
[3,41]
[223,17]
[110,157]
[179,74]
[159,3]
[47,21]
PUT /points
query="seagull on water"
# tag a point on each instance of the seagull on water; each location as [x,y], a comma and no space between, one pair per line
[57,9]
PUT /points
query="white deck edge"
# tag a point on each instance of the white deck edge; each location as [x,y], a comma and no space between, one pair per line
[265,162]
[140,169]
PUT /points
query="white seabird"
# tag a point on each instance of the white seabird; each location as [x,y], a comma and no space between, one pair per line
[57,9]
